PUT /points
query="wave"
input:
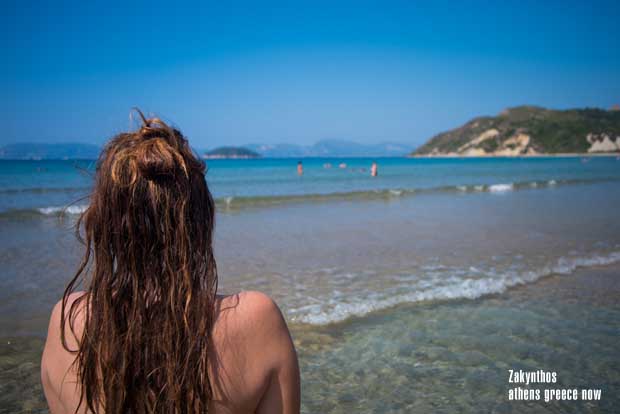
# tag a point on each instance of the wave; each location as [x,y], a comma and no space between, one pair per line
[492,283]
[51,211]
[500,188]
[241,202]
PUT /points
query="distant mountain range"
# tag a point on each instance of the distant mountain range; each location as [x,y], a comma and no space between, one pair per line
[531,130]
[522,130]
[325,148]
[331,148]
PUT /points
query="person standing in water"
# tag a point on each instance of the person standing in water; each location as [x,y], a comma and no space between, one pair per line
[300,168]
[149,333]
[373,169]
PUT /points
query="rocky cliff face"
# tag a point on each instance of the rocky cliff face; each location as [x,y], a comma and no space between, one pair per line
[528,130]
[603,143]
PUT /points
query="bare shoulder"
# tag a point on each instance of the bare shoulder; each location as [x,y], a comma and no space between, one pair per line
[269,343]
[250,314]
[74,319]
[74,325]
[58,375]
[255,355]
[253,325]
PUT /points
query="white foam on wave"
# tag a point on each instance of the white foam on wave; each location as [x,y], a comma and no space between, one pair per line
[462,188]
[50,211]
[500,188]
[396,193]
[457,288]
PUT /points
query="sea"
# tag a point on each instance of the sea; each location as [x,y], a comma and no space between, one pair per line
[414,291]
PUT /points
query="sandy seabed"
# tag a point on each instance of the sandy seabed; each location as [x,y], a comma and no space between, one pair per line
[453,356]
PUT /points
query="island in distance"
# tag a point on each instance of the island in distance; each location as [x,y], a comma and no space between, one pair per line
[231,153]
[530,131]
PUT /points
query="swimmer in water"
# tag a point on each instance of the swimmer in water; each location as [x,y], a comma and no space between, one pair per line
[300,168]
[373,169]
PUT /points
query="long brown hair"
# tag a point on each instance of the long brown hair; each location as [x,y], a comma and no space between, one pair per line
[149,275]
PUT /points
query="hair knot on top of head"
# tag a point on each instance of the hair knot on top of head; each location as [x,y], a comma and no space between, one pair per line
[158,150]
[155,152]
[157,159]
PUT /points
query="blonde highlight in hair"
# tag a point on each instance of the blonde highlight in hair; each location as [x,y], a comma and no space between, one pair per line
[150,276]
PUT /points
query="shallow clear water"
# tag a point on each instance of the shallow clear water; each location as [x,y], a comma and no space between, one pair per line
[411,300]
[449,357]
[455,356]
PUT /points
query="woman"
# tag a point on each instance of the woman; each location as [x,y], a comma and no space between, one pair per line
[149,334]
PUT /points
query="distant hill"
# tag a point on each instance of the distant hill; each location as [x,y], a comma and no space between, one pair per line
[331,148]
[231,152]
[530,130]
[39,151]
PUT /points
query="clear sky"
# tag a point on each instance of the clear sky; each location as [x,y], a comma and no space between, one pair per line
[235,73]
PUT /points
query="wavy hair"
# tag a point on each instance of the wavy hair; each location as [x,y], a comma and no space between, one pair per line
[150,277]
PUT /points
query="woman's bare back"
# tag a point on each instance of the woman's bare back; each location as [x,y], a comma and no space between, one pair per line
[253,365]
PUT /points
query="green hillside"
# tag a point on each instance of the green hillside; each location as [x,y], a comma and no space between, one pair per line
[531,130]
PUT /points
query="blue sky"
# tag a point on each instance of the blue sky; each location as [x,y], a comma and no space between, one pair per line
[297,72]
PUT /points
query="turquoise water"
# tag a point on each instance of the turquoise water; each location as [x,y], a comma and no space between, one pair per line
[413,291]
[46,186]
